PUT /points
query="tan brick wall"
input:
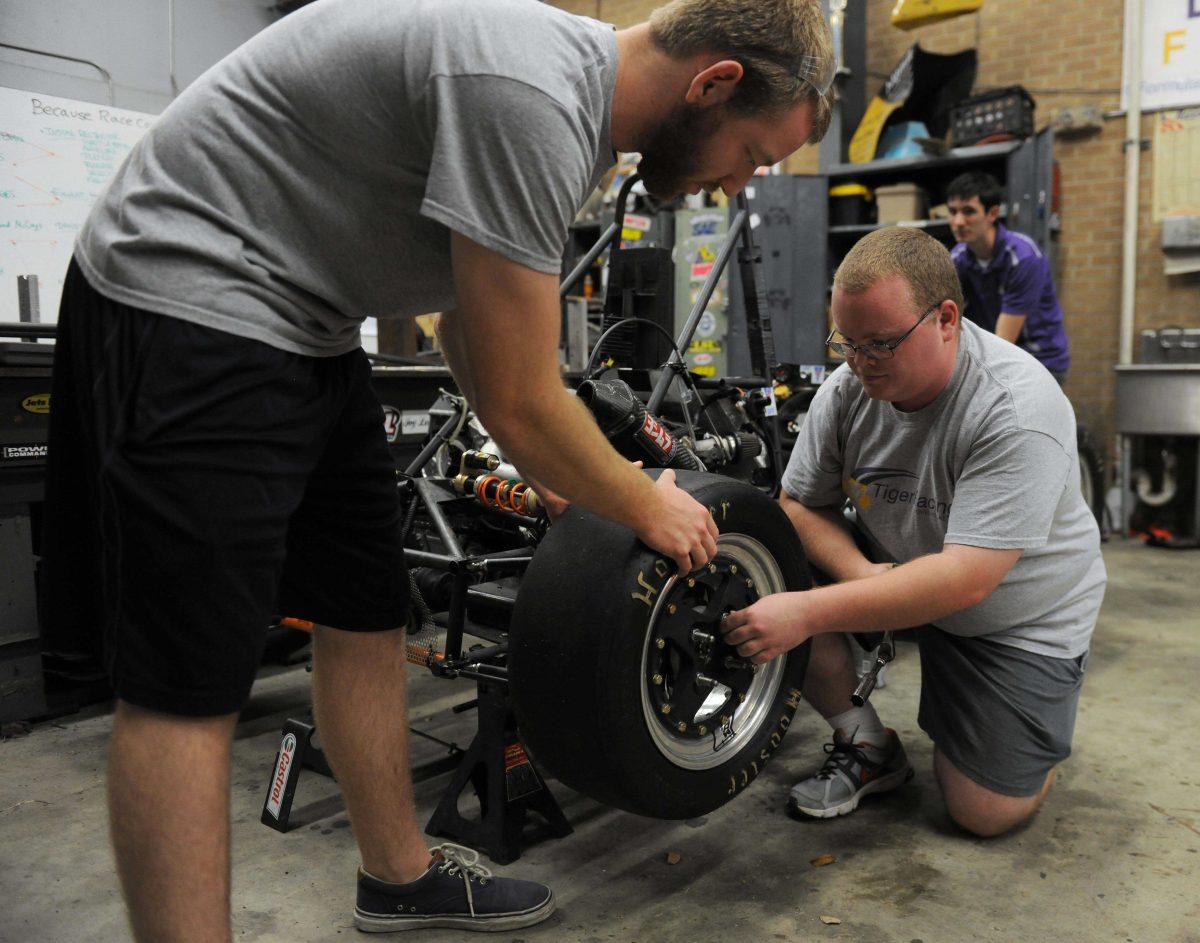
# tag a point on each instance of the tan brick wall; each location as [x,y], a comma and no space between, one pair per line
[1053,47]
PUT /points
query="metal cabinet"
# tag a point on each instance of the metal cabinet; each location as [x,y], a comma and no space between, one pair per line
[801,251]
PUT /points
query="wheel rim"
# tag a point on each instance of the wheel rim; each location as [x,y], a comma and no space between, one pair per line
[704,725]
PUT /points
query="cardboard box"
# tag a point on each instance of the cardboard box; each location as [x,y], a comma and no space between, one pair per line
[901,202]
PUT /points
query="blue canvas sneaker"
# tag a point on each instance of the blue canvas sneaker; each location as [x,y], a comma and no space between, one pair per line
[456,892]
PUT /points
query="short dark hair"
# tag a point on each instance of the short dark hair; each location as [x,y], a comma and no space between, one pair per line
[975,183]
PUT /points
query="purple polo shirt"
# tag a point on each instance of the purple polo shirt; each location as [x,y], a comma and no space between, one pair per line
[1016,280]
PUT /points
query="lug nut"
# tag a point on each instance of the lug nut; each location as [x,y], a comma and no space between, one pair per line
[733,568]
[691,582]
[657,679]
[672,609]
[749,584]
[660,643]
[703,730]
[666,708]
[712,568]
[706,681]
[682,728]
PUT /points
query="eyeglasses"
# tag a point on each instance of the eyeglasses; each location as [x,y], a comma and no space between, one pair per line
[875,350]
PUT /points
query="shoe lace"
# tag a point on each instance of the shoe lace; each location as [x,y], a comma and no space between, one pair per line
[841,755]
[458,859]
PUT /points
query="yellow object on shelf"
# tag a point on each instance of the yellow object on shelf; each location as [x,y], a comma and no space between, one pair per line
[866,136]
[909,14]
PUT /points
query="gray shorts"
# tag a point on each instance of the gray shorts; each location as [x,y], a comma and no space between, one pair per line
[1001,715]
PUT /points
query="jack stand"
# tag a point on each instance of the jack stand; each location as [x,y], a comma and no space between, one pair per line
[298,752]
[505,782]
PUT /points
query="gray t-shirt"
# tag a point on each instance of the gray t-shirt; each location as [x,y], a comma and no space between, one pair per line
[990,463]
[312,177]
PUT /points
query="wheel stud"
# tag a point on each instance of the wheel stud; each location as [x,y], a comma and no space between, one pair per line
[657,679]
[705,681]
[666,708]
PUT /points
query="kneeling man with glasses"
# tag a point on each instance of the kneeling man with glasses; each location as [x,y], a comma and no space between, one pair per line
[956,452]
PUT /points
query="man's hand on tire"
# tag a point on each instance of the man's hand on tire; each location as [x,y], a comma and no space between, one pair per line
[771,626]
[680,526]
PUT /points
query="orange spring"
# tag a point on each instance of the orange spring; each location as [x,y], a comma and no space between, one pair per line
[506,494]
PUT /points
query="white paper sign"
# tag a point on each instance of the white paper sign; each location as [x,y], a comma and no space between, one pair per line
[1170,55]
[56,156]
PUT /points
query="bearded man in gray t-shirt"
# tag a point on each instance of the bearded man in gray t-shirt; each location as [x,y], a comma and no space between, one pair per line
[956,452]
[215,442]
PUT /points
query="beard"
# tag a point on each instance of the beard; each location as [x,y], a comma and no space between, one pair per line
[671,153]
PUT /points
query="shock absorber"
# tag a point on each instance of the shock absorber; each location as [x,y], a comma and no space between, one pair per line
[634,433]
[504,494]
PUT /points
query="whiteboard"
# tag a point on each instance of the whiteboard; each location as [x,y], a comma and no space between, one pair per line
[56,156]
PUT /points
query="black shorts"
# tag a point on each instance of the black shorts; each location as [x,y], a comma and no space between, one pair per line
[199,484]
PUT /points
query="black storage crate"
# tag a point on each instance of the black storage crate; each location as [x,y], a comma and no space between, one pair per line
[1002,111]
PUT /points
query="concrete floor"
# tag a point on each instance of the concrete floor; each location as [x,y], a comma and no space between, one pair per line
[1114,854]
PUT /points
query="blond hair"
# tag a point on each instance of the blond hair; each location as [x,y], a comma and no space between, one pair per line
[918,258]
[770,38]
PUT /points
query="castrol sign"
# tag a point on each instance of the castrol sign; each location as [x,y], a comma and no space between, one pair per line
[287,756]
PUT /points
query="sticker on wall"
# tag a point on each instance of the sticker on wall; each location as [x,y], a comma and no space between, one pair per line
[708,224]
[414,423]
[19,453]
[707,326]
[634,227]
[391,423]
[703,263]
[813,371]
[37,403]
[397,423]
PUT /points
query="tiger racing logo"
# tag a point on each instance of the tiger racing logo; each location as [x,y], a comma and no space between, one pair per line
[870,484]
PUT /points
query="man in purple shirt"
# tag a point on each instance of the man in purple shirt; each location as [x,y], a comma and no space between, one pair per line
[1005,276]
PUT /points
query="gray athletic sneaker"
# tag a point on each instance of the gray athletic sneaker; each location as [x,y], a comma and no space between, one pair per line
[846,776]
[457,892]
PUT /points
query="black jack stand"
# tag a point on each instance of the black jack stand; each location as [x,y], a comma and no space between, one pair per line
[296,752]
[505,782]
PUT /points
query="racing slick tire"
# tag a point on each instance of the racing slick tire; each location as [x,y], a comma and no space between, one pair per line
[622,686]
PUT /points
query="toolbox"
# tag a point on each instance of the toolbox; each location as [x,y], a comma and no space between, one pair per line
[1001,111]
